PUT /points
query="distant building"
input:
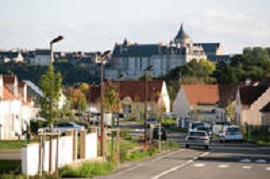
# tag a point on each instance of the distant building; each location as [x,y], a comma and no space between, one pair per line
[42,57]
[132,59]
[10,56]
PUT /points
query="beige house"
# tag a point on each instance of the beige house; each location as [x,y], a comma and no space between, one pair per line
[203,102]
[249,101]
[132,96]
[16,109]
[266,114]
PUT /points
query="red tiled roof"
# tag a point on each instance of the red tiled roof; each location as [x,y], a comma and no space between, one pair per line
[221,95]
[249,94]
[266,108]
[7,94]
[132,89]
[8,79]
[202,94]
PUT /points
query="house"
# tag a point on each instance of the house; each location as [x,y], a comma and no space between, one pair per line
[266,114]
[42,57]
[16,109]
[132,97]
[249,101]
[204,102]
[10,56]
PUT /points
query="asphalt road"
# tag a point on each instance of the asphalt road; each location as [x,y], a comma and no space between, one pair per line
[221,161]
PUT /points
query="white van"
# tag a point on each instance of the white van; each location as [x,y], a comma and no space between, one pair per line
[231,133]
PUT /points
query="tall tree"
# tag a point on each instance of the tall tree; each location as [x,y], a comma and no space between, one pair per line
[51,86]
[111,98]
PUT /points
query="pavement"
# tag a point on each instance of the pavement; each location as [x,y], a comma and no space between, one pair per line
[10,154]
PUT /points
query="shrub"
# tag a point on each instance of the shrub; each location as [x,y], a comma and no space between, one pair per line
[87,169]
[125,134]
[167,122]
[35,125]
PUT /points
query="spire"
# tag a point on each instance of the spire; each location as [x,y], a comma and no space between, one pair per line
[181,33]
[182,37]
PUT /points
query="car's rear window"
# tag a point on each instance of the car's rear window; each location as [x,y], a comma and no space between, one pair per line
[197,134]
[233,129]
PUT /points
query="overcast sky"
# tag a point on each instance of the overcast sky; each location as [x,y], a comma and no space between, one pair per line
[96,25]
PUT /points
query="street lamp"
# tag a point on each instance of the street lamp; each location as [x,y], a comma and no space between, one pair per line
[145,102]
[55,40]
[101,59]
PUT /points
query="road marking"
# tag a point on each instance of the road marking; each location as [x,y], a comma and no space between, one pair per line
[245,160]
[267,168]
[171,170]
[177,167]
[223,166]
[199,165]
[163,156]
[247,167]
[127,170]
[260,161]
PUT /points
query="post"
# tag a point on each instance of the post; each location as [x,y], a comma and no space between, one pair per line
[101,109]
[117,143]
[56,155]
[159,137]
[145,109]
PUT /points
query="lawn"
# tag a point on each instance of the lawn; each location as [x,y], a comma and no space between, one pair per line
[13,144]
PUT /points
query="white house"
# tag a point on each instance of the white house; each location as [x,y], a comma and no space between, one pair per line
[203,102]
[249,101]
[42,57]
[15,109]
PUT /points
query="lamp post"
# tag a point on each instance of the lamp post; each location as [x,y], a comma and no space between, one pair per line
[55,40]
[145,103]
[102,141]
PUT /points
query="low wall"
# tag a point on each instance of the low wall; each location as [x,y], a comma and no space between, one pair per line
[32,155]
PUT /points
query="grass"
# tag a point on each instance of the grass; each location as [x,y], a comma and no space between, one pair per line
[169,144]
[260,142]
[87,169]
[13,144]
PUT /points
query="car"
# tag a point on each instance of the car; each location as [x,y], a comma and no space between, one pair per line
[151,122]
[231,133]
[197,138]
[62,127]
[204,128]
[164,133]
[194,124]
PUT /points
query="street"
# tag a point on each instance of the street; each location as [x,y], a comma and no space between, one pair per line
[230,160]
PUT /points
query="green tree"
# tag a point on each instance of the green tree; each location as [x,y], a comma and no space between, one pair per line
[111,98]
[51,86]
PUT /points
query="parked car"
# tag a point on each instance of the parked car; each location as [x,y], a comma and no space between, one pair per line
[151,122]
[231,133]
[197,138]
[164,133]
[62,127]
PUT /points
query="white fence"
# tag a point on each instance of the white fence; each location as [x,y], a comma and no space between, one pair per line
[32,154]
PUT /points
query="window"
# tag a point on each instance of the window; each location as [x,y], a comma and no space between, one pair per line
[127,109]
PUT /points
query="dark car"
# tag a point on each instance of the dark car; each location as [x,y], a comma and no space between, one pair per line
[163,133]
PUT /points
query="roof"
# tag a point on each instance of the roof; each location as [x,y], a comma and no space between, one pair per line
[202,94]
[181,33]
[266,108]
[221,95]
[250,94]
[8,79]
[135,90]
[209,47]
[264,82]
[9,54]
[42,52]
[145,50]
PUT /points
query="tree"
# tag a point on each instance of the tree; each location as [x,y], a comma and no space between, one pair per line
[111,98]
[51,86]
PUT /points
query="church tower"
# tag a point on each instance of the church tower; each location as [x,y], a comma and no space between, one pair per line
[182,38]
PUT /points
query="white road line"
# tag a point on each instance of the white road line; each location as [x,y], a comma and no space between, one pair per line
[163,156]
[247,167]
[267,168]
[260,161]
[127,170]
[171,170]
[177,167]
[223,166]
[245,160]
[199,165]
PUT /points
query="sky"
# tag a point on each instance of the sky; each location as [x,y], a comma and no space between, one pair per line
[97,25]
